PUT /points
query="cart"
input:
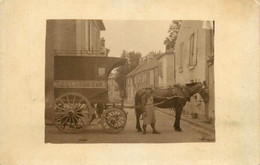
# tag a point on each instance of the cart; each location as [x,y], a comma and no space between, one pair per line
[80,83]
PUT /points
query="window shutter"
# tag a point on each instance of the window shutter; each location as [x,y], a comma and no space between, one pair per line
[181,54]
[195,49]
[191,49]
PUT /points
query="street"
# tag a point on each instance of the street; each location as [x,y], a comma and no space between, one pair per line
[95,134]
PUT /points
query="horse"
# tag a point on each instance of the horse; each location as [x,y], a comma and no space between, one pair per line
[172,97]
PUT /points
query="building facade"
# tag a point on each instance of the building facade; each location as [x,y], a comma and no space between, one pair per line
[143,76]
[72,38]
[166,69]
[194,62]
[113,90]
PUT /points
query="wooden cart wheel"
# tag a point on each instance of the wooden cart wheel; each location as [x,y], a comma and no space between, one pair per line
[113,120]
[72,112]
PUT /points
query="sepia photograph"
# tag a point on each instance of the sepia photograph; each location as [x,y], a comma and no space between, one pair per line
[129,81]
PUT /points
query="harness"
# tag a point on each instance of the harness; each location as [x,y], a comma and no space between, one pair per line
[190,94]
[181,88]
[187,99]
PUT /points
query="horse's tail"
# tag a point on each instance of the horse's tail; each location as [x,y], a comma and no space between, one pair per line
[138,96]
[137,101]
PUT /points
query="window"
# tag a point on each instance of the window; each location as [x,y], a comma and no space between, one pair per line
[140,78]
[191,55]
[101,72]
[128,82]
[135,79]
[144,76]
[160,69]
[151,77]
[193,51]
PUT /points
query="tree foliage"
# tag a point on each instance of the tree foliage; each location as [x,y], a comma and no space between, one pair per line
[173,34]
[132,58]
[154,54]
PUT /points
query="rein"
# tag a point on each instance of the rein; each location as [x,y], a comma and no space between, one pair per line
[164,101]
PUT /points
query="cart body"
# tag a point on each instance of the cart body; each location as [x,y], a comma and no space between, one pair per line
[79,83]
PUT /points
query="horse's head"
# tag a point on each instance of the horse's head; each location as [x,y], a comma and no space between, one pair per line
[204,92]
[198,87]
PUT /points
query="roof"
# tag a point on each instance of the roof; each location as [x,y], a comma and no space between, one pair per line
[168,52]
[101,24]
[150,64]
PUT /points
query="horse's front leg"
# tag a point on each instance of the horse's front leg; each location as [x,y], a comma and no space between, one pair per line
[178,111]
[138,114]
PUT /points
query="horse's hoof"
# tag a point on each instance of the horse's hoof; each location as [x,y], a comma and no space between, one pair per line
[139,130]
[178,129]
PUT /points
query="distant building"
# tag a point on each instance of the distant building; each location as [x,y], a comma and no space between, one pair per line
[194,62]
[166,69]
[143,76]
[113,90]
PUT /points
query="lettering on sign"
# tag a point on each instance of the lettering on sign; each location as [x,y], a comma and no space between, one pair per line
[79,84]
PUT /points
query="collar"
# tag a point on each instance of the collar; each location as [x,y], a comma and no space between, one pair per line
[186,98]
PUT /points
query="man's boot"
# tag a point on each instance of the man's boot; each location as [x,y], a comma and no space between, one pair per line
[154,130]
[144,129]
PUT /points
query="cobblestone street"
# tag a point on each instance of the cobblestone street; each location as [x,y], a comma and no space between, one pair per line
[95,134]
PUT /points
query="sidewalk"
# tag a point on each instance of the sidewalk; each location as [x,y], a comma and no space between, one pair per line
[203,125]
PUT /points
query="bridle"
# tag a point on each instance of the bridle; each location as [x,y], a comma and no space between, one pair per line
[189,93]
[203,87]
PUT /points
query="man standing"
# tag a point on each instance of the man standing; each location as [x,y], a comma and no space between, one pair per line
[148,111]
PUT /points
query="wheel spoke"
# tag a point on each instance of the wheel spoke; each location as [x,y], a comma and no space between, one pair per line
[80,101]
[79,106]
[60,113]
[114,120]
[62,102]
[64,122]
[79,109]
[73,120]
[73,99]
[76,120]
[82,121]
[69,121]
[62,108]
[69,101]
[71,112]
[60,118]
[81,116]
[85,112]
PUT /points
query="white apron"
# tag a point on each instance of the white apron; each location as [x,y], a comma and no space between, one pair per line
[149,118]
